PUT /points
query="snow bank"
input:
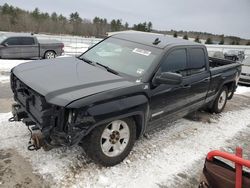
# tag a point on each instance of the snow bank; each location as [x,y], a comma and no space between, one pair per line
[4,79]
[156,159]
[242,90]
[7,64]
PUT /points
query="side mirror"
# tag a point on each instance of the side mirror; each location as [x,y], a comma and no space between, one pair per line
[169,78]
[5,44]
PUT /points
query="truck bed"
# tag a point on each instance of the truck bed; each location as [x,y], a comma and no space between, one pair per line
[217,62]
[223,66]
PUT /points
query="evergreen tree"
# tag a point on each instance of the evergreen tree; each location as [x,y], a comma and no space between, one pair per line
[197,39]
[185,37]
[149,26]
[221,40]
[208,41]
[54,16]
[175,34]
[126,26]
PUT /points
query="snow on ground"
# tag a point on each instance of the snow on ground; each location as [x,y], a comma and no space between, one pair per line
[4,79]
[242,90]
[154,160]
[7,64]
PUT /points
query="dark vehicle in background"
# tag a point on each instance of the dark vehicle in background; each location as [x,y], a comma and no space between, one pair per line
[235,55]
[13,46]
[245,74]
[124,86]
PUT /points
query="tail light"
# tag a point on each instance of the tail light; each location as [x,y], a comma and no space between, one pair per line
[62,47]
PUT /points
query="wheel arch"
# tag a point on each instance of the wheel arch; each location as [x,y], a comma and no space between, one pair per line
[49,51]
[138,118]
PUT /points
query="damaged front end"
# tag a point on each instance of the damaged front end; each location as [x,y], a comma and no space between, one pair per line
[50,125]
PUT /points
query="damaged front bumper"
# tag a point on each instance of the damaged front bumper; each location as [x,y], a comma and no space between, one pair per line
[50,125]
[54,134]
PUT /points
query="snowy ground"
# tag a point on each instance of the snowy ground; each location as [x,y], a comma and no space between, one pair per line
[243,90]
[161,159]
[7,64]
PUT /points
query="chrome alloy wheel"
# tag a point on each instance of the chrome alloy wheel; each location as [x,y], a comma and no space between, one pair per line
[222,100]
[50,55]
[115,138]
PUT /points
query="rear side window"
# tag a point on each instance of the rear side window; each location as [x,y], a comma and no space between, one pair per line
[175,62]
[27,41]
[197,61]
[13,41]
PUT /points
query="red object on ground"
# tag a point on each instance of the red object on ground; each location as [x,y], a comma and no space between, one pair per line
[238,169]
[237,159]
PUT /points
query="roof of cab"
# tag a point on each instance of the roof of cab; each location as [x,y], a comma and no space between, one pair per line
[149,38]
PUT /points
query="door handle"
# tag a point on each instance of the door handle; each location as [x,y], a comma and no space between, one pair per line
[186,86]
[206,79]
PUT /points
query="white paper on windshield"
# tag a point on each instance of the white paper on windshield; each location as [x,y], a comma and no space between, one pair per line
[139,71]
[142,52]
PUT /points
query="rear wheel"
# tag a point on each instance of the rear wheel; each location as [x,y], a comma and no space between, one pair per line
[220,101]
[110,144]
[49,55]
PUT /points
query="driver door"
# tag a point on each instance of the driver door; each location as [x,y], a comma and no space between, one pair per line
[170,100]
[12,49]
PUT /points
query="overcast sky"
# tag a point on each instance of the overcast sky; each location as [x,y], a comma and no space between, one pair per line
[230,17]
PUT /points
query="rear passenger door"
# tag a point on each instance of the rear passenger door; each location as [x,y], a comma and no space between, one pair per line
[29,47]
[12,49]
[198,75]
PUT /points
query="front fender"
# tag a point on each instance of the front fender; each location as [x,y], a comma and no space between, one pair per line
[132,106]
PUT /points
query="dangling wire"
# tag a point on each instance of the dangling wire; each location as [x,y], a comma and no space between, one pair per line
[12,119]
[30,134]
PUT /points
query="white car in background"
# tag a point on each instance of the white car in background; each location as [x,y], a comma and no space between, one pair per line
[245,73]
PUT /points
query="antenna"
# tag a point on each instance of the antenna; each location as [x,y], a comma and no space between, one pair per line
[157,41]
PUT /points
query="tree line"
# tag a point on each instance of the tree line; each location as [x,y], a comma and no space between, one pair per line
[209,38]
[19,20]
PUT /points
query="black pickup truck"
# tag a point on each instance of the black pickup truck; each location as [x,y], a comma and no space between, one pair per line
[122,87]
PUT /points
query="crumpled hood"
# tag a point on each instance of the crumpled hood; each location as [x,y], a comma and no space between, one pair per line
[63,80]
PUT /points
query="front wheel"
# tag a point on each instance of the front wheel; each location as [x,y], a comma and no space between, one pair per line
[220,101]
[110,144]
[49,55]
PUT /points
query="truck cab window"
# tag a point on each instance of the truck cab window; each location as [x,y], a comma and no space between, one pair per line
[197,61]
[175,62]
[27,41]
[13,41]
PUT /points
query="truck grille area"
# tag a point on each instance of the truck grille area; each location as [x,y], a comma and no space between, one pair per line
[43,115]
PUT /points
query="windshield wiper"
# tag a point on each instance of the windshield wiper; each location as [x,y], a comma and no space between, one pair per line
[93,63]
[86,60]
[108,68]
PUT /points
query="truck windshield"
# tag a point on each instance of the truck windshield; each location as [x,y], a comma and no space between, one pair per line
[123,56]
[2,38]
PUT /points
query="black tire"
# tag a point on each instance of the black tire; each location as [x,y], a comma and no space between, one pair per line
[218,107]
[49,55]
[92,144]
